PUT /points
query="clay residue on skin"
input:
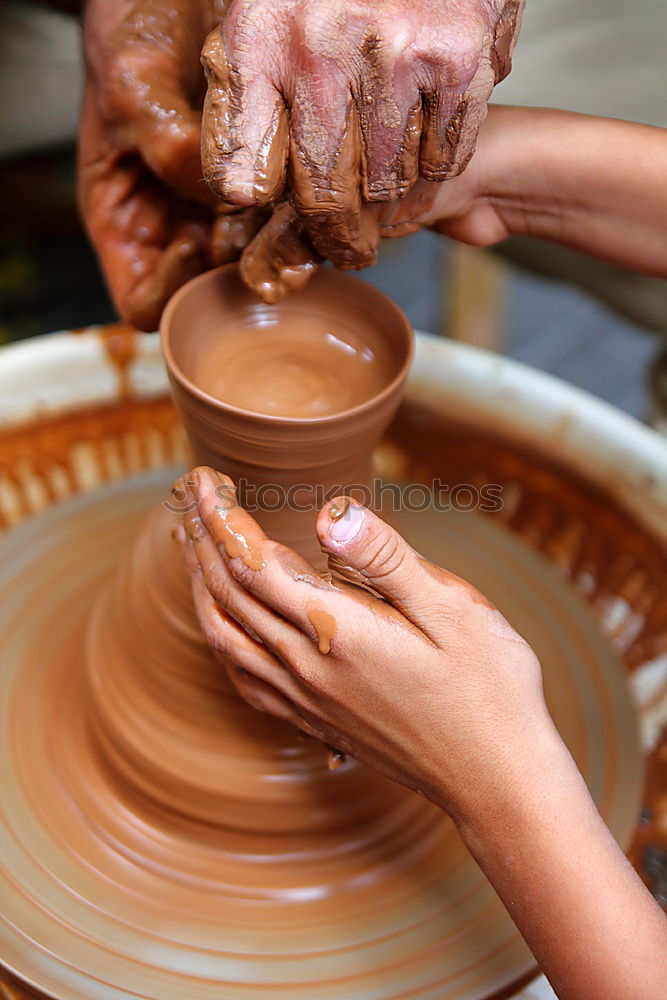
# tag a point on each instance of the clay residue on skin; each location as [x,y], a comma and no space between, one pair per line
[233,230]
[244,141]
[228,519]
[338,508]
[281,256]
[335,758]
[236,545]
[376,98]
[144,201]
[325,626]
[327,195]
[163,777]
[505,36]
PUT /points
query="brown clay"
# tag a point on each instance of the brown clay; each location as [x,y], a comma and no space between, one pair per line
[324,625]
[253,871]
[325,404]
[309,366]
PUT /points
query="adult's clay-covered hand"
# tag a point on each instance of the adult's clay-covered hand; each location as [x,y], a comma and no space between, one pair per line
[348,100]
[152,218]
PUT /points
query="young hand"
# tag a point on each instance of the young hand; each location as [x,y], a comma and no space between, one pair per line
[392,659]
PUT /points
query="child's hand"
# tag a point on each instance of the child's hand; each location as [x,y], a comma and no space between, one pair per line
[430,685]
[434,688]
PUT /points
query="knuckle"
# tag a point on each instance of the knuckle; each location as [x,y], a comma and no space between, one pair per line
[119,94]
[213,55]
[216,583]
[242,573]
[386,182]
[221,176]
[321,203]
[450,62]
[436,173]
[213,635]
[465,62]
[384,555]
[248,24]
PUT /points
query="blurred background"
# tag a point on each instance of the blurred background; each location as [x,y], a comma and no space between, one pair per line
[592,324]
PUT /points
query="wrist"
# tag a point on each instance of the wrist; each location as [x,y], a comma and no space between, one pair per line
[506,188]
[501,800]
[535,160]
[513,149]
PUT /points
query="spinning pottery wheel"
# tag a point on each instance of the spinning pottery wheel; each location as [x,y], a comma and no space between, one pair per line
[273,877]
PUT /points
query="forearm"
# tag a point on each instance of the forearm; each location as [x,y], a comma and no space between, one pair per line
[588,919]
[597,185]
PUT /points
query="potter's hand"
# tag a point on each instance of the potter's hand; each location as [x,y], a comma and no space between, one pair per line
[282,257]
[349,101]
[145,204]
[535,173]
[429,685]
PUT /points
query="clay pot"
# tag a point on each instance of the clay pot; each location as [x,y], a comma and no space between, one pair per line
[287,464]
[170,725]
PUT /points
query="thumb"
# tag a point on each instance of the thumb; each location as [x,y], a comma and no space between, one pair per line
[367,551]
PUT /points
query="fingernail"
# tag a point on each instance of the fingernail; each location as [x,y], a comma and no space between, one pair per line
[344,528]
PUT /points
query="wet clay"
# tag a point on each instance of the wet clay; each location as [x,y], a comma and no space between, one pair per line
[324,624]
[341,110]
[152,702]
[176,843]
[346,101]
[281,256]
[303,368]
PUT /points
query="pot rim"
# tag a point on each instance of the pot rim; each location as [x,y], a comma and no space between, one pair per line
[352,412]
